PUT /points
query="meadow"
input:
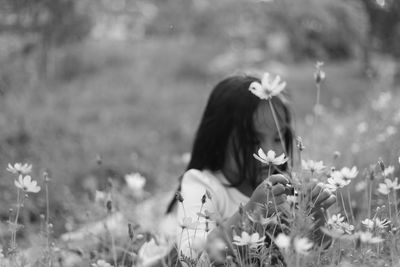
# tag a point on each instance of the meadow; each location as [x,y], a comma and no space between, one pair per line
[110,109]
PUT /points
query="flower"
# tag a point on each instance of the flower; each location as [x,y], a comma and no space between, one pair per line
[151,252]
[270,157]
[282,241]
[312,166]
[387,186]
[368,223]
[253,241]
[367,237]
[335,219]
[302,245]
[18,168]
[319,74]
[388,171]
[27,184]
[336,181]
[381,224]
[135,182]
[338,225]
[268,87]
[101,263]
[99,196]
[349,173]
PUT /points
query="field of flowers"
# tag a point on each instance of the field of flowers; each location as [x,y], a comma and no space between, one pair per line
[346,144]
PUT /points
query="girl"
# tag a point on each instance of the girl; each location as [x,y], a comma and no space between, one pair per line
[223,174]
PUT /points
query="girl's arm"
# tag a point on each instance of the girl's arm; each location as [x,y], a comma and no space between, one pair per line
[274,185]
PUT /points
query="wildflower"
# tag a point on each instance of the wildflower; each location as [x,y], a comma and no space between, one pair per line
[338,225]
[27,184]
[188,223]
[302,245]
[387,186]
[367,237]
[319,74]
[381,224]
[292,199]
[349,173]
[336,181]
[388,171]
[368,223]
[268,87]
[282,241]
[101,263]
[312,166]
[253,241]
[135,182]
[270,157]
[335,219]
[18,168]
[167,226]
[151,252]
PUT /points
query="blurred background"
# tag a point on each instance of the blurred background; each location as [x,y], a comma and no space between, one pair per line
[93,89]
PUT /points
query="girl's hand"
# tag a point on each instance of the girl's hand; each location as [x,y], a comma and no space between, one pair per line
[271,189]
[320,197]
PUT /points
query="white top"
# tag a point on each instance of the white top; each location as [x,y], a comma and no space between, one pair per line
[224,203]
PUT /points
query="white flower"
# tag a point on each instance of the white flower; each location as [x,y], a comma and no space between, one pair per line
[292,199]
[18,168]
[302,245]
[369,224]
[381,224]
[367,237]
[268,87]
[270,157]
[257,217]
[151,252]
[312,166]
[349,173]
[335,219]
[319,74]
[336,181]
[253,241]
[27,184]
[388,185]
[388,171]
[101,263]
[282,241]
[135,182]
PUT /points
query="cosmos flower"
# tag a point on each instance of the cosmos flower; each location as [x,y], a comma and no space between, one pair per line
[253,241]
[388,171]
[270,157]
[336,181]
[135,182]
[388,185]
[302,245]
[349,173]
[282,241]
[268,87]
[257,217]
[338,225]
[312,166]
[19,168]
[27,184]
[367,237]
[151,252]
[376,223]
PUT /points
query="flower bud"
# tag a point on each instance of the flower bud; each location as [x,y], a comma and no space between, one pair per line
[381,165]
[203,199]
[109,205]
[130,231]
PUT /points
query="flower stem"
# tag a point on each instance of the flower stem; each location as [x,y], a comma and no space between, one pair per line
[277,127]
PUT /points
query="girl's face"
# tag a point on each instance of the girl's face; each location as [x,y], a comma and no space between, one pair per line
[267,136]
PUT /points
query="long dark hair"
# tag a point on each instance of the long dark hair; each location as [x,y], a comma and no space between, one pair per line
[230,111]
